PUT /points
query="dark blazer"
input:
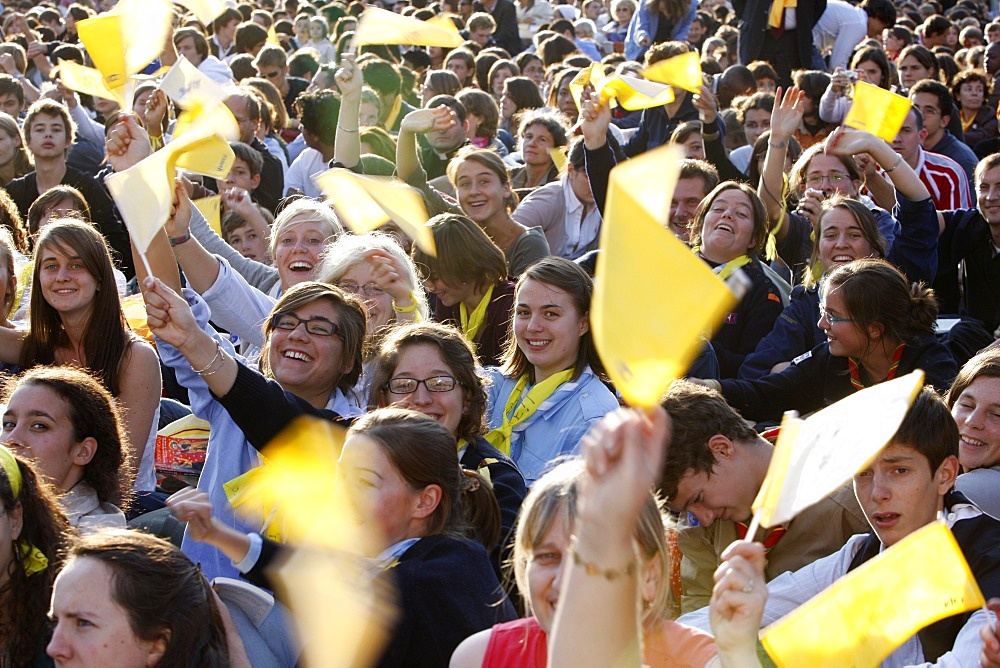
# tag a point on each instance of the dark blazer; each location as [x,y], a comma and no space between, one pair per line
[753,27]
[507,35]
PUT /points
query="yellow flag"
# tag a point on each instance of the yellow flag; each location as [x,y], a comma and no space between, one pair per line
[366,203]
[103,37]
[206,10]
[877,111]
[379,26]
[89,81]
[683,71]
[558,155]
[217,116]
[819,454]
[300,474]
[146,25]
[875,608]
[145,191]
[645,349]
[189,88]
[210,208]
[632,93]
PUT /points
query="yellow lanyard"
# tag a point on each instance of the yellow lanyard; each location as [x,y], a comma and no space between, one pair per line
[777,10]
[472,324]
[499,438]
[726,270]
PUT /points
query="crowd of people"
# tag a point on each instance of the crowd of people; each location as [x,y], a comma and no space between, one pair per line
[503,490]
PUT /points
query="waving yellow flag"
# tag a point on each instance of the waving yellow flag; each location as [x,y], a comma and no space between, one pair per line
[205,10]
[683,71]
[105,33]
[875,608]
[366,203]
[645,348]
[878,111]
[379,26]
[89,81]
[632,93]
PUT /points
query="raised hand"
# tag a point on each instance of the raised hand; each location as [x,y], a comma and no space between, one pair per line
[169,316]
[423,121]
[127,143]
[348,77]
[786,116]
[738,599]
[594,119]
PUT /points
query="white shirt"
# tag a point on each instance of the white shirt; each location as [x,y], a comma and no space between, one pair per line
[839,30]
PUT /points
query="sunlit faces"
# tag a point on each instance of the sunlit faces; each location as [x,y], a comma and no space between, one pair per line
[276,75]
[623,15]
[481,36]
[10,105]
[544,571]
[755,123]
[899,493]
[37,426]
[460,68]
[499,77]
[971,96]
[383,500]
[481,194]
[297,250]
[930,108]
[547,327]
[421,361]
[977,414]
[507,105]
[728,229]
[248,243]
[359,281]
[767,85]
[727,493]
[535,145]
[564,99]
[684,204]
[911,71]
[448,139]
[49,138]
[841,239]
[890,42]
[9,146]
[66,284]
[579,183]
[91,629]
[305,363]
[909,139]
[828,173]
[988,194]
[870,72]
[317,32]
[240,177]
[843,336]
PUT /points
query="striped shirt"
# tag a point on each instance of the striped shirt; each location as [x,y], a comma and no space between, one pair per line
[946,181]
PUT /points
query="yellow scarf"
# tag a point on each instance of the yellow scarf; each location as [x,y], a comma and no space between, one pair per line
[499,438]
[777,9]
[726,270]
[472,324]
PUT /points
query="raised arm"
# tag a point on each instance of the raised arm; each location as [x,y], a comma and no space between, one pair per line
[417,122]
[347,148]
[785,120]
[738,604]
[848,141]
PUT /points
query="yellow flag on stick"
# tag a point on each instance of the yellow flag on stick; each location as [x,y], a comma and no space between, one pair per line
[817,455]
[379,26]
[875,608]
[89,81]
[644,349]
[366,203]
[683,71]
[210,207]
[877,111]
[297,486]
[145,191]
[206,11]
[189,88]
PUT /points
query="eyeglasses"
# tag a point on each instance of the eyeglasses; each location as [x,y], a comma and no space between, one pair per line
[410,385]
[832,319]
[368,289]
[317,326]
[835,178]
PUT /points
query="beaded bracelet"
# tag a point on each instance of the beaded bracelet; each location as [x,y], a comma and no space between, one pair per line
[607,573]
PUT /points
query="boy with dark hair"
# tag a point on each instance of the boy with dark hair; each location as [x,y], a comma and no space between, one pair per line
[715,466]
[908,485]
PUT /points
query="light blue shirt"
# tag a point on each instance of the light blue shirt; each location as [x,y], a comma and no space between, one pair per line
[557,426]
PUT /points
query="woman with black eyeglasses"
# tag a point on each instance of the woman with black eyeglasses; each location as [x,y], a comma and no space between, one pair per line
[431,368]
[311,361]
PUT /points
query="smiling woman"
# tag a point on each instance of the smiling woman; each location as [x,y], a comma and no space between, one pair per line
[974,400]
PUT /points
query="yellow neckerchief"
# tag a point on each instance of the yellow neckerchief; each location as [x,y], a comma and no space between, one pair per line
[726,270]
[472,324]
[394,112]
[967,124]
[777,9]
[462,443]
[499,438]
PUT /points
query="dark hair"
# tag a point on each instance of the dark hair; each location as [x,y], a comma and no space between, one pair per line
[248,35]
[442,82]
[793,153]
[881,10]
[797,177]
[53,196]
[761,69]
[665,50]
[501,64]
[448,101]
[94,414]
[553,121]
[423,453]
[922,55]
[862,216]
[936,25]
[571,278]
[555,48]
[164,594]
[483,105]
[876,293]
[25,598]
[379,141]
[275,111]
[250,156]
[302,63]
[319,112]
[10,218]
[225,18]
[488,159]
[759,237]
[352,323]
[464,254]
[700,169]
[524,93]
[984,365]
[10,86]
[938,90]
[383,77]
[929,428]
[48,107]
[757,101]
[814,83]
[456,352]
[875,55]
[697,413]
[106,338]
[970,76]
[200,43]
[565,77]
